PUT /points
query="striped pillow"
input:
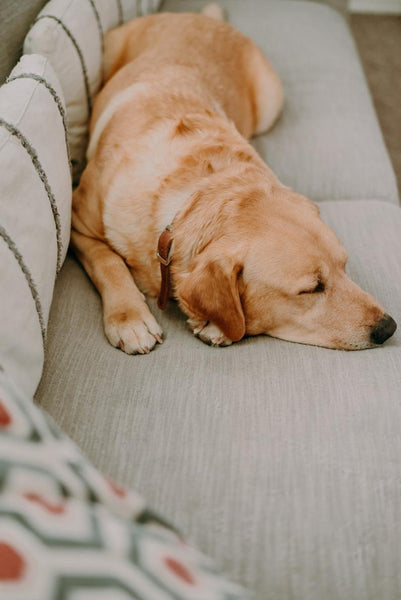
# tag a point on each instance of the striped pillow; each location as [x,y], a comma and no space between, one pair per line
[70,34]
[35,205]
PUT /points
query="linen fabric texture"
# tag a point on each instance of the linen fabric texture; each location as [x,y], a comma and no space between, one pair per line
[327,144]
[279,460]
[35,212]
[70,34]
[16,17]
[68,532]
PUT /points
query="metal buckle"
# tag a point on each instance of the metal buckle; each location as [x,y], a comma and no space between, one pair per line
[166,261]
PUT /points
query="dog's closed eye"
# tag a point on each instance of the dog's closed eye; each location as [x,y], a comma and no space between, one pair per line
[319,287]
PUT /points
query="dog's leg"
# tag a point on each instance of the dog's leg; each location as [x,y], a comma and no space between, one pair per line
[267,91]
[128,322]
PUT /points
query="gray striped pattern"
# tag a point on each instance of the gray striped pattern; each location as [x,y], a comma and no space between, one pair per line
[57,100]
[80,56]
[120,12]
[98,23]
[28,277]
[43,177]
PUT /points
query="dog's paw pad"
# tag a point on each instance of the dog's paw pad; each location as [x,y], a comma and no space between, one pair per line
[133,332]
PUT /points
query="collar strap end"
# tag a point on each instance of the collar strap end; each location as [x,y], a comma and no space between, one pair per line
[165,255]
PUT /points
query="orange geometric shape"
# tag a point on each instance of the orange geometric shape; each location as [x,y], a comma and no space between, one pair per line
[56,509]
[5,418]
[11,564]
[180,570]
[119,491]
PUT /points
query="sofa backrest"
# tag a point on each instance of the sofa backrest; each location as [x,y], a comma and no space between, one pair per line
[16,16]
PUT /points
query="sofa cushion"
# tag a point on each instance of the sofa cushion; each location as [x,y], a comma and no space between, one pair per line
[280,460]
[35,209]
[16,17]
[70,34]
[68,532]
[327,143]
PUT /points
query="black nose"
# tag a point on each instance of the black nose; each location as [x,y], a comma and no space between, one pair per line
[383,330]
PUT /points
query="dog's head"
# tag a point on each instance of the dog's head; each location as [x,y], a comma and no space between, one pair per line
[271,266]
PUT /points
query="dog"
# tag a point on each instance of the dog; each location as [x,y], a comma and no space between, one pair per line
[171,176]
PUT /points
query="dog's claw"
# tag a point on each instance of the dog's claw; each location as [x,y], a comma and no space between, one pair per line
[196,326]
[209,333]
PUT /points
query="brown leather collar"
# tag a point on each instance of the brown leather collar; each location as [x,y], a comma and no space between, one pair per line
[164,254]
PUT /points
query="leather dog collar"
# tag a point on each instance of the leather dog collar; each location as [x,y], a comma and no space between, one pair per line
[164,254]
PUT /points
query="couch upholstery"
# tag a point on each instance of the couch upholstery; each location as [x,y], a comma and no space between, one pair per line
[35,213]
[279,460]
[15,18]
[67,532]
[340,5]
[327,143]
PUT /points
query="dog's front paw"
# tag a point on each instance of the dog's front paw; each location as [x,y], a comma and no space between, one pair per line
[209,333]
[135,332]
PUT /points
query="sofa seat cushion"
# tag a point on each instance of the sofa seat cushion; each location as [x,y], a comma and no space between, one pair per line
[68,532]
[327,143]
[278,459]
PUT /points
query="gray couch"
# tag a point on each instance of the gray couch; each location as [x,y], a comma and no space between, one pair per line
[279,460]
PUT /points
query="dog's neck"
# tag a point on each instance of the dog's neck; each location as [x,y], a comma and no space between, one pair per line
[191,235]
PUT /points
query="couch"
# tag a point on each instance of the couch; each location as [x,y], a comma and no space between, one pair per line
[279,460]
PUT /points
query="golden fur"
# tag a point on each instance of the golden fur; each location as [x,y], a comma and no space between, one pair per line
[168,145]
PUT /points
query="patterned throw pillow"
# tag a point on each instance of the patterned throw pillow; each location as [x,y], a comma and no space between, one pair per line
[70,34]
[35,212]
[67,533]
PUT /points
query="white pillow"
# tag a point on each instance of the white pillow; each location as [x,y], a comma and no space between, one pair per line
[70,34]
[35,208]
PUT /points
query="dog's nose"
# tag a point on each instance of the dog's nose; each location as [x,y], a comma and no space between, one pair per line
[383,330]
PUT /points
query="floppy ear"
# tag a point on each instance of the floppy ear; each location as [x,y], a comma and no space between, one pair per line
[211,293]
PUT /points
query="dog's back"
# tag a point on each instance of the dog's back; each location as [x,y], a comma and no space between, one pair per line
[194,55]
[160,127]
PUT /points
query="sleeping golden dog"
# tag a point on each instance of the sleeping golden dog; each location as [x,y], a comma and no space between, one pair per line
[168,148]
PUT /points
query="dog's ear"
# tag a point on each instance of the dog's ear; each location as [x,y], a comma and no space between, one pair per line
[210,292]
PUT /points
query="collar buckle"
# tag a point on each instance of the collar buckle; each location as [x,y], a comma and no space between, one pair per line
[166,261]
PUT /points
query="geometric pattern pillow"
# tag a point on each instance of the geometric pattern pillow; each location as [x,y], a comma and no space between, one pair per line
[67,533]
[35,213]
[70,34]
